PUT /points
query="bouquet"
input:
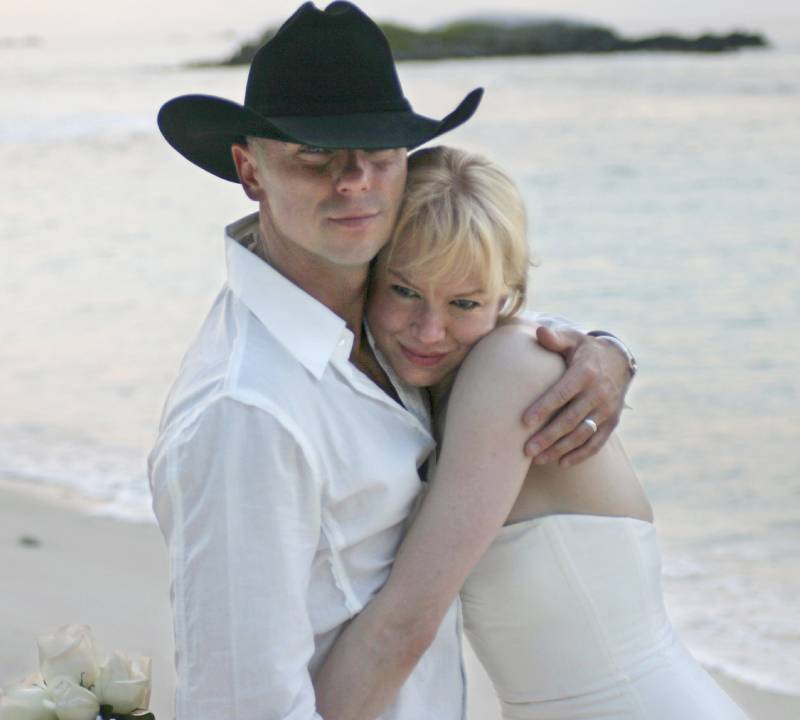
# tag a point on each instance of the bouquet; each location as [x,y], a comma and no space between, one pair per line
[73,685]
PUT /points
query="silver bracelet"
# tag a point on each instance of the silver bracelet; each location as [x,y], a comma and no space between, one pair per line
[633,366]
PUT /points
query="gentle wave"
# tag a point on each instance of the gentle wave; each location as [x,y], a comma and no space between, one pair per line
[736,623]
[74,127]
[112,479]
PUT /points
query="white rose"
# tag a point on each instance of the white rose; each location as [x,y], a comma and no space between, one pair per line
[72,701]
[69,653]
[26,701]
[35,678]
[142,665]
[124,683]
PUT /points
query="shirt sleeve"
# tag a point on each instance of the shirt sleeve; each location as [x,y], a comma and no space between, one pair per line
[239,504]
[557,322]
[551,321]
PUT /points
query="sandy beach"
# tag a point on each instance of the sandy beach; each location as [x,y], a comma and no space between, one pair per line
[63,565]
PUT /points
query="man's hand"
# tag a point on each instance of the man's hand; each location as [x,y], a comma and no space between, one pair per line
[593,386]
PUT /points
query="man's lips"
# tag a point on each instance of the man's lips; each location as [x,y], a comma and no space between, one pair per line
[422,359]
[354,220]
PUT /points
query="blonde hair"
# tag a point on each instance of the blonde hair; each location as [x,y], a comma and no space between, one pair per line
[465,216]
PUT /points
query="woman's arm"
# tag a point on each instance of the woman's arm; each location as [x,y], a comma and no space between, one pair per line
[479,474]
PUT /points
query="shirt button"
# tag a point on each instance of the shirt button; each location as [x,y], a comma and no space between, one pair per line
[341,342]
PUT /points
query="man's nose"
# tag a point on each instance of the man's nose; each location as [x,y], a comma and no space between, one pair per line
[354,172]
[430,326]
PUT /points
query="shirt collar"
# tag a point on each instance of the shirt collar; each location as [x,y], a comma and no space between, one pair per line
[310,331]
[415,400]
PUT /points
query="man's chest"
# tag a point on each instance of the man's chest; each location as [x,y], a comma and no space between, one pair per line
[368,446]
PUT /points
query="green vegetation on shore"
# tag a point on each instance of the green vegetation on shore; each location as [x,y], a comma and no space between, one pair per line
[474,38]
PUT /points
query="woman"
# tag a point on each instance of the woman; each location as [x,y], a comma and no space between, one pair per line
[559,566]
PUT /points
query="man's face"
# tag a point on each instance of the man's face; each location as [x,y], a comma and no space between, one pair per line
[338,206]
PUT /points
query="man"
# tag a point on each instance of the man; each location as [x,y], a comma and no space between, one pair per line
[286,462]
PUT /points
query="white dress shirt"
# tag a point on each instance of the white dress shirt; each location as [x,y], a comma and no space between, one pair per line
[282,478]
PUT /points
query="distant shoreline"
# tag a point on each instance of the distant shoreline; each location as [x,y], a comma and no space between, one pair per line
[474,38]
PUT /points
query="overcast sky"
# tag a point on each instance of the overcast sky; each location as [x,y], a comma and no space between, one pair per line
[245,18]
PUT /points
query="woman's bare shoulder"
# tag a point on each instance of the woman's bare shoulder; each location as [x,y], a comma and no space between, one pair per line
[509,355]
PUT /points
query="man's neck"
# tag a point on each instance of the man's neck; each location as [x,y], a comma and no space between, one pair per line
[342,289]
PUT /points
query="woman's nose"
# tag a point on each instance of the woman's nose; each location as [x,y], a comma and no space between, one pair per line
[430,326]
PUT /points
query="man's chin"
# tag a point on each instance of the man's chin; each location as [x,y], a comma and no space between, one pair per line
[358,252]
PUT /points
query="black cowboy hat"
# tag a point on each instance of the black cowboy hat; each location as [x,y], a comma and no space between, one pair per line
[327,79]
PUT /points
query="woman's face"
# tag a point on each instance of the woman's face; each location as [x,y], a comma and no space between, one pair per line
[425,330]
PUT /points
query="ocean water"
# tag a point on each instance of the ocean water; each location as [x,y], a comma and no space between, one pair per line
[663,194]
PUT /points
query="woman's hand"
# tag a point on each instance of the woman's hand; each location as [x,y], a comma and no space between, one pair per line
[594,386]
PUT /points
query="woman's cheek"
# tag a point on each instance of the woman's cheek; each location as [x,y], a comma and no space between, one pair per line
[483,326]
[385,313]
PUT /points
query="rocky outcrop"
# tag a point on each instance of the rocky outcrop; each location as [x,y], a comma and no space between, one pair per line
[473,38]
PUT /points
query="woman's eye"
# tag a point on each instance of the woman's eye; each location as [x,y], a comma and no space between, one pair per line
[403,291]
[466,304]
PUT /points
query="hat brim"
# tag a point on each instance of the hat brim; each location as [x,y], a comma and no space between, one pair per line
[202,128]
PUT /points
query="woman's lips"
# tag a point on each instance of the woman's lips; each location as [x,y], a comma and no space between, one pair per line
[422,359]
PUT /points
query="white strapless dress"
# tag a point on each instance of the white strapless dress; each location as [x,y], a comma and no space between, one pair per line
[566,615]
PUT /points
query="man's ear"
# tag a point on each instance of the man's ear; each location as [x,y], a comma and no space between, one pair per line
[247,170]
